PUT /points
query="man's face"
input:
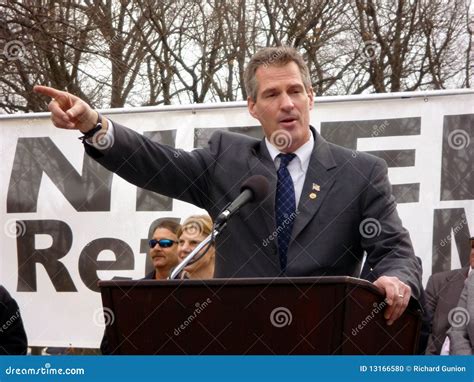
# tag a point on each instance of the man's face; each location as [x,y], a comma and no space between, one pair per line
[282,106]
[164,258]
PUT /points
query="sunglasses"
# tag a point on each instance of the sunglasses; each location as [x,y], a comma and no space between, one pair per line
[163,243]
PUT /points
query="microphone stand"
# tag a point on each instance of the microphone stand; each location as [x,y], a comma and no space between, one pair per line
[216,231]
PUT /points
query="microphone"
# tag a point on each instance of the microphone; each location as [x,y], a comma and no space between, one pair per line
[253,190]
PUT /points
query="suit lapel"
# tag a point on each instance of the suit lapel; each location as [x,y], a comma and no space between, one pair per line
[456,281]
[317,184]
[260,163]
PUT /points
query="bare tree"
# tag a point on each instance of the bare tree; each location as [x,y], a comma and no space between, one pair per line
[443,25]
[469,66]
[42,43]
[151,52]
[411,45]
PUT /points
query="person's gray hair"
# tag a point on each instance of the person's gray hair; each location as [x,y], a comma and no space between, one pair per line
[273,56]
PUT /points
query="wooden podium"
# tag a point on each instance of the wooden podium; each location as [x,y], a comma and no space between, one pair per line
[317,315]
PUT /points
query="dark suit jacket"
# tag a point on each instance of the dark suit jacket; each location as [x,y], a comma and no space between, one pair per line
[150,276]
[12,334]
[461,333]
[442,295]
[327,234]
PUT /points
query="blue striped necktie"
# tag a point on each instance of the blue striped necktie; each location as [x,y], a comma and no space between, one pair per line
[285,207]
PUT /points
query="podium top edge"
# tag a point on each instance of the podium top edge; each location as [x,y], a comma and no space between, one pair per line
[222,282]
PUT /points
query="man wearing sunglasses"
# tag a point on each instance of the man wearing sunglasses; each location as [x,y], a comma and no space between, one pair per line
[163,249]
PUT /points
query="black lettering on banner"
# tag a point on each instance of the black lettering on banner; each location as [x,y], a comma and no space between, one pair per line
[35,156]
[29,256]
[449,224]
[89,263]
[346,134]
[152,201]
[457,180]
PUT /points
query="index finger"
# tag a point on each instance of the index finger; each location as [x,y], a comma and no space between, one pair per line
[47,91]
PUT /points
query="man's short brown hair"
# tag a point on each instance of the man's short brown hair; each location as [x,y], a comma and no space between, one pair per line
[170,225]
[273,56]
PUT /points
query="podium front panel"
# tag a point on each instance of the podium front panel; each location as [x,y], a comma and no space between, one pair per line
[242,316]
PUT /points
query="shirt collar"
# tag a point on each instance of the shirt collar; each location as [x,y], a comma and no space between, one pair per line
[303,153]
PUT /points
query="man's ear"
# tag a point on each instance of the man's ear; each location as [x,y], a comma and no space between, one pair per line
[251,107]
[311,97]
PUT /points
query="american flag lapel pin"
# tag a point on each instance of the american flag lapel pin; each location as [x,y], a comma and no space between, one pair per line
[313,195]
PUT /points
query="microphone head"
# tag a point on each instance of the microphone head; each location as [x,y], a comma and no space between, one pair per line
[259,185]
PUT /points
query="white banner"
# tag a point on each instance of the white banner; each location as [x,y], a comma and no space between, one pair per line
[65,218]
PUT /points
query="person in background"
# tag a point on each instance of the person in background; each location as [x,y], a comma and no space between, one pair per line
[461,333]
[193,231]
[163,249]
[443,291]
[164,256]
[13,339]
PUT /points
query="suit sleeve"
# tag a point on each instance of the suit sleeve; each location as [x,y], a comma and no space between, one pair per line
[156,167]
[387,243]
[459,341]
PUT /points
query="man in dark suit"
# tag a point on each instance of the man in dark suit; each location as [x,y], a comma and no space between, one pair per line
[327,204]
[461,333]
[12,333]
[442,295]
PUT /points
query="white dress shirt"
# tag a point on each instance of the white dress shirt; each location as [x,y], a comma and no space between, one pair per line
[298,167]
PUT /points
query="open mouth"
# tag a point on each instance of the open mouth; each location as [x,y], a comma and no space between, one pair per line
[288,121]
